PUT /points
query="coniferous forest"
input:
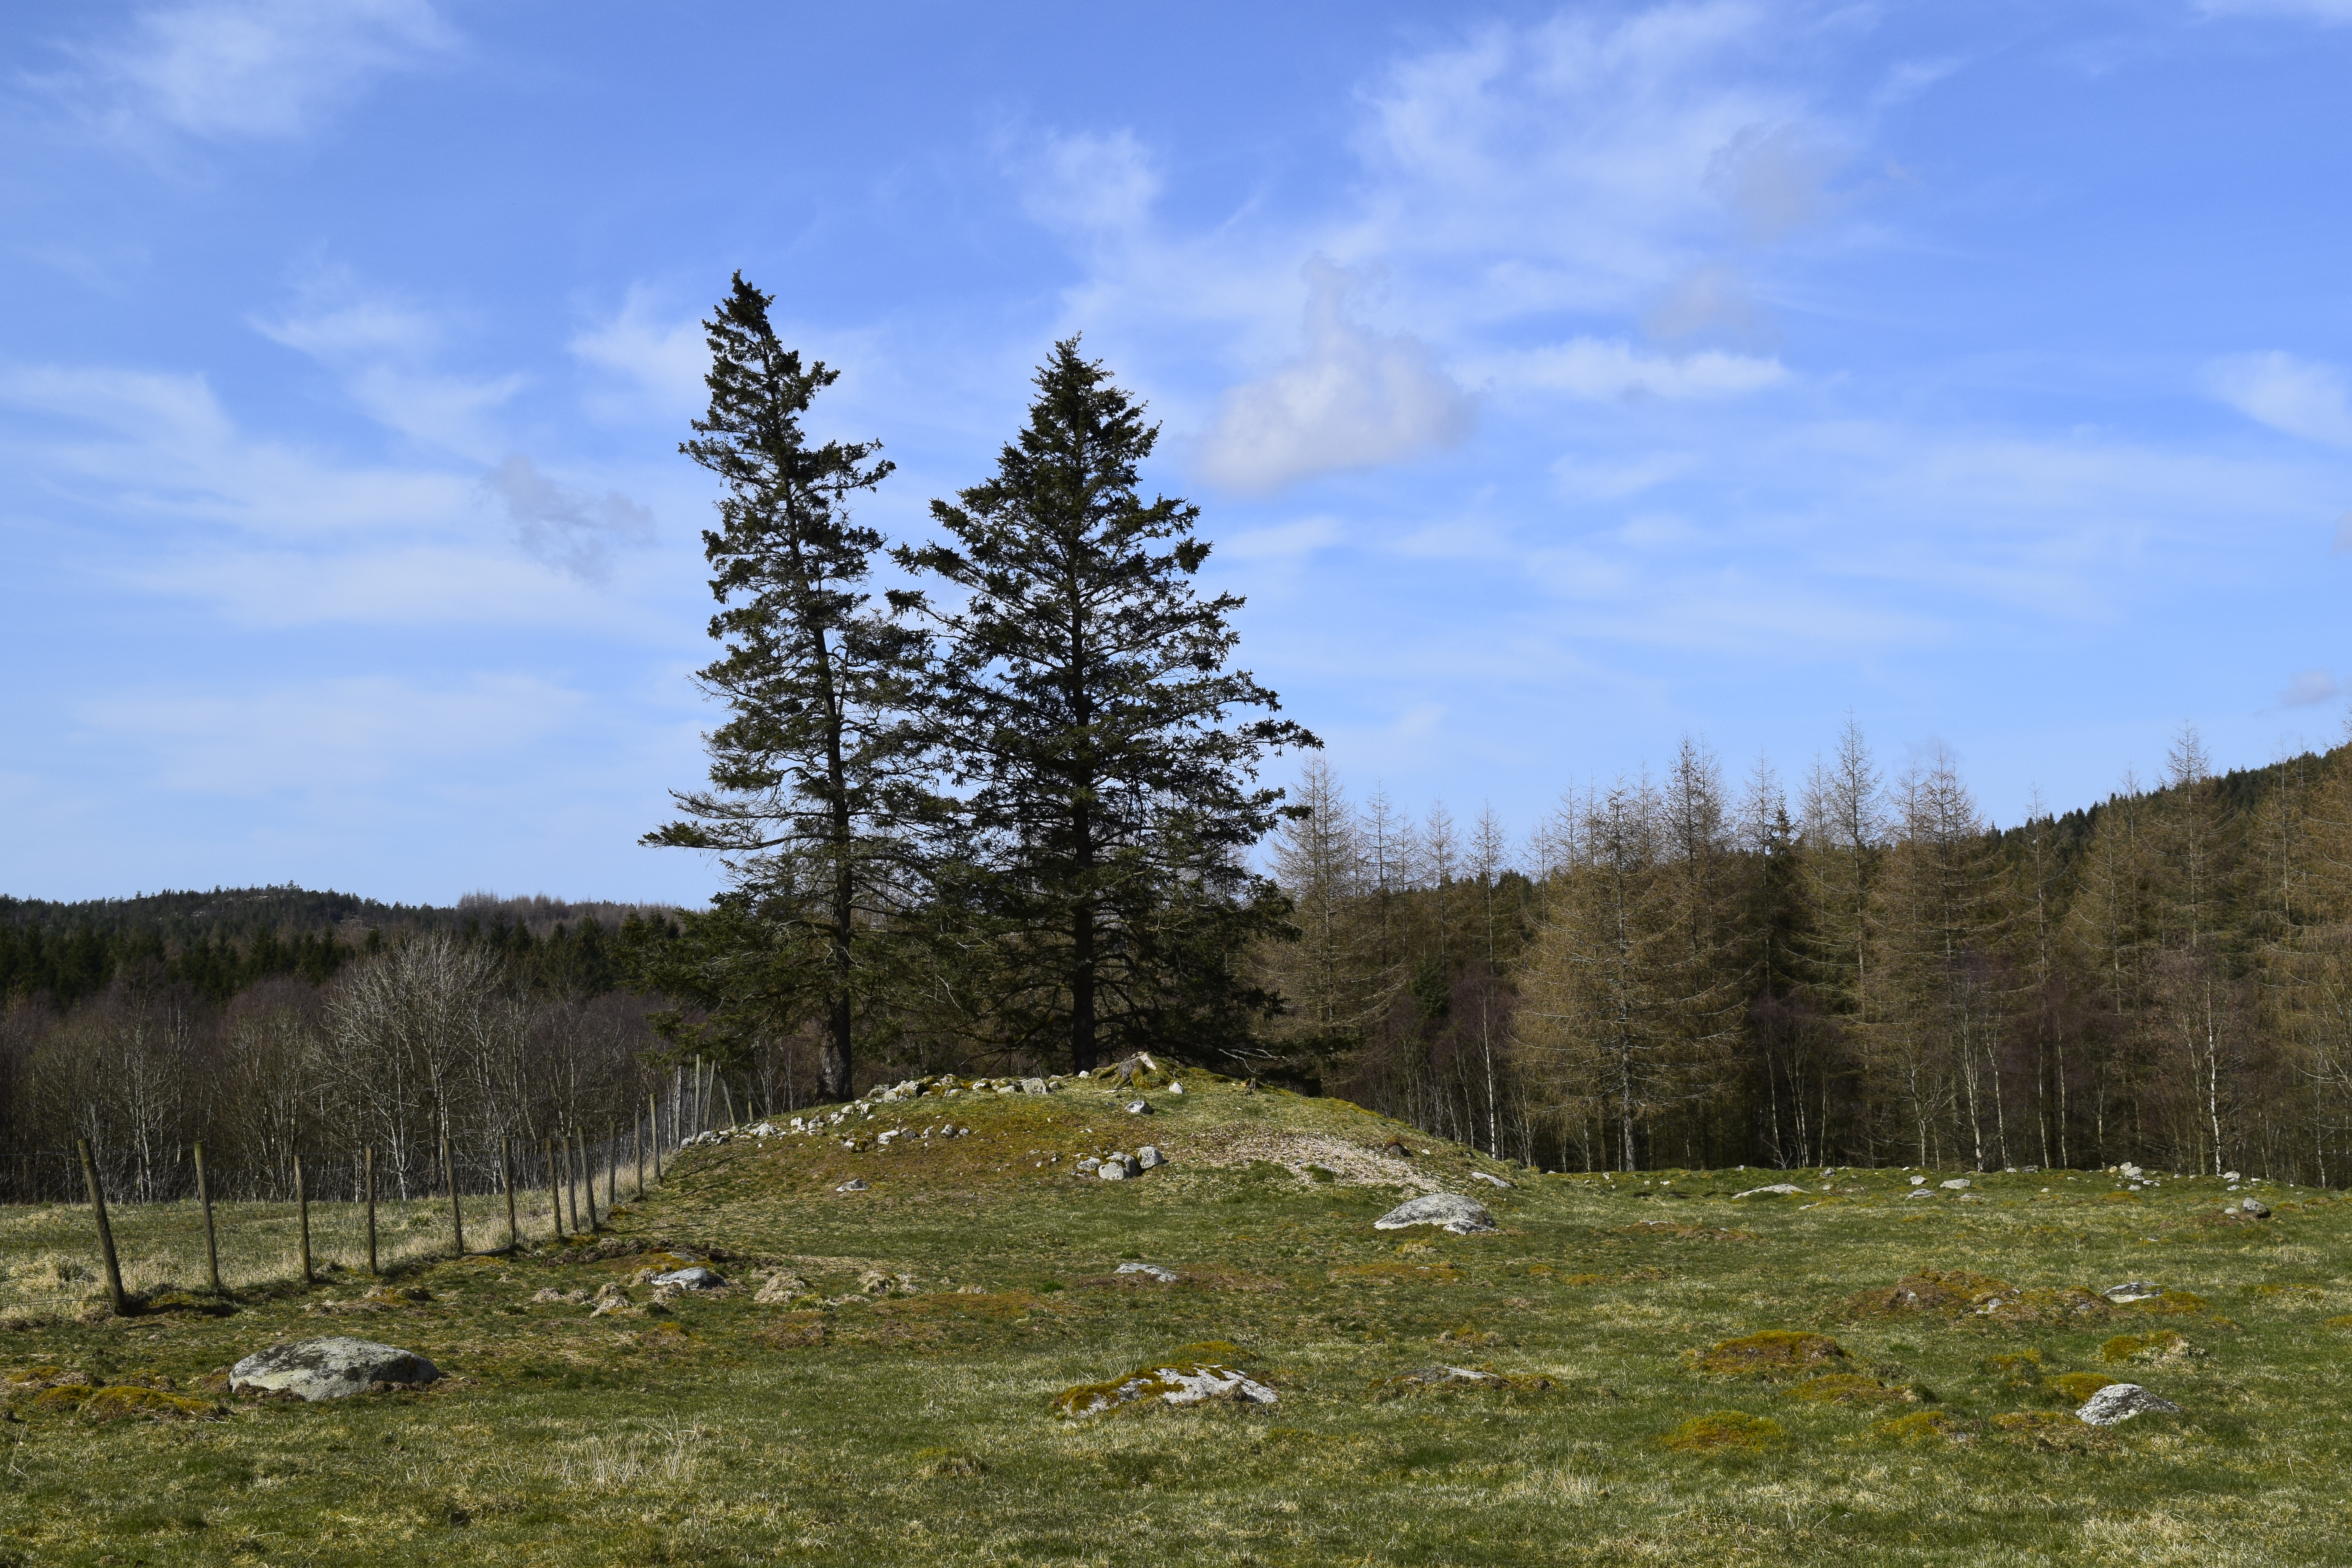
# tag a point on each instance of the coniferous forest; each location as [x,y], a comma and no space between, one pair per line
[1007,811]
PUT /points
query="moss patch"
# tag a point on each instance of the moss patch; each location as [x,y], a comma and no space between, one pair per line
[2163,1345]
[1726,1432]
[1775,1353]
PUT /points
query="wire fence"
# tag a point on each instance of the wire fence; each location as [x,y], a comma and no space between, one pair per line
[70,1243]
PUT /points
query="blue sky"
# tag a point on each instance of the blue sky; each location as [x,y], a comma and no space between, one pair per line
[1555,381]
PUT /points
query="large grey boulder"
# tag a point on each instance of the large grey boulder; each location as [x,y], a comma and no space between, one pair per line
[1461,1216]
[2119,1402]
[330,1368]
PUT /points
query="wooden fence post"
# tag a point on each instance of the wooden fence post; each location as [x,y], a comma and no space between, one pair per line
[506,1185]
[457,1215]
[554,1188]
[653,1130]
[637,1150]
[587,1174]
[367,1181]
[211,1248]
[611,1168]
[121,1302]
[302,1215]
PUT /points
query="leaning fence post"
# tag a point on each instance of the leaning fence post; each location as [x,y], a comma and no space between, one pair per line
[457,1215]
[211,1248]
[554,1189]
[121,1302]
[506,1185]
[302,1213]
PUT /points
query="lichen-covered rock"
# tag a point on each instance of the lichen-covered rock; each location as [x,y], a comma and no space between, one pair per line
[1117,1168]
[1956,1184]
[330,1368]
[1153,1270]
[780,1288]
[2132,1290]
[1179,1381]
[1455,1213]
[2254,1207]
[1778,1189]
[1149,1157]
[2119,1402]
[693,1277]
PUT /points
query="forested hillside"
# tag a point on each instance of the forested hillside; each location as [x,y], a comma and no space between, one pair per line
[1681,970]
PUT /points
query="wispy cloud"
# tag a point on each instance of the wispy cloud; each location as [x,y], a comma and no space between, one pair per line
[2327,12]
[386,350]
[1355,399]
[2296,396]
[1594,368]
[660,358]
[230,70]
[2309,688]
[570,530]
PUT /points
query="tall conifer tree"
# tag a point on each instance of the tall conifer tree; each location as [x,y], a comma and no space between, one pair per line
[1087,706]
[815,777]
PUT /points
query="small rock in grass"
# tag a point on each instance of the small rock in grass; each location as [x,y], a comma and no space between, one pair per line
[1138,1107]
[1920,1192]
[2254,1207]
[855,1185]
[1088,1165]
[781,1288]
[1165,1276]
[1149,1157]
[1490,1181]
[1180,1382]
[2132,1290]
[693,1278]
[1035,1085]
[1778,1189]
[1118,1168]
[1175,1088]
[1956,1184]
[330,1368]
[1461,1216]
[2119,1402]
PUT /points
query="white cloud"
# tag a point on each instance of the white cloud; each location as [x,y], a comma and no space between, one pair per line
[381,347]
[2309,688]
[1355,399]
[1710,301]
[1588,479]
[567,529]
[2343,545]
[663,361]
[1600,369]
[2287,393]
[232,69]
[1283,541]
[1090,183]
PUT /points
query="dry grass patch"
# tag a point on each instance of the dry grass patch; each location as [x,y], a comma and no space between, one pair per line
[1851,1388]
[1773,1354]
[2162,1345]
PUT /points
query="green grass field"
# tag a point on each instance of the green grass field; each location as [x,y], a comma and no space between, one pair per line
[896,1405]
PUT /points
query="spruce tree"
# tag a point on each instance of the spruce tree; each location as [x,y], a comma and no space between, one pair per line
[1088,711]
[817,777]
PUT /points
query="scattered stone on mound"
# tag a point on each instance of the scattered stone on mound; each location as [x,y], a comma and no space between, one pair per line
[1118,1167]
[1777,1190]
[1775,1353]
[2161,1346]
[1150,1270]
[1455,1213]
[1726,1431]
[1183,1379]
[2119,1402]
[1925,1427]
[1443,1376]
[1149,1157]
[1853,1388]
[2132,1290]
[330,1368]
[780,1288]
[1929,1290]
